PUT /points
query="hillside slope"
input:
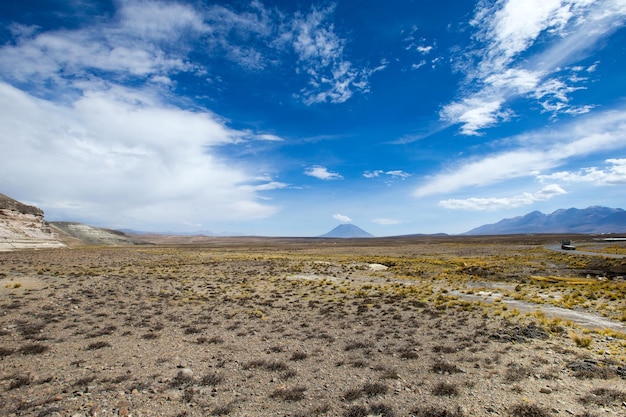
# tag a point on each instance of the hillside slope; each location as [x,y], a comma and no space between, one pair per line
[593,219]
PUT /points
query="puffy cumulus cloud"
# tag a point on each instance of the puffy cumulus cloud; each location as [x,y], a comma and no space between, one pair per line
[507,66]
[600,132]
[342,218]
[613,174]
[121,156]
[496,203]
[322,173]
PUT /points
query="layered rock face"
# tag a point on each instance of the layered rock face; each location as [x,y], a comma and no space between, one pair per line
[23,226]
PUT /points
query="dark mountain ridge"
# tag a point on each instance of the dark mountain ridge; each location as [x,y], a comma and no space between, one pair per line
[594,219]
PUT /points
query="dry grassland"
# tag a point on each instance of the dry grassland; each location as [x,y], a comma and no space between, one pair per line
[295,327]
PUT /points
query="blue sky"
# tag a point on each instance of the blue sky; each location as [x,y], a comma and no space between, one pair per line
[287,118]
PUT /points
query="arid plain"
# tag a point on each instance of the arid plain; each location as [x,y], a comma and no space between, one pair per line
[416,326]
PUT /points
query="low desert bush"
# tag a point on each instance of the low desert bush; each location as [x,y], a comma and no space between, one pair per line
[98,345]
[211,379]
[222,410]
[604,397]
[298,356]
[5,351]
[19,381]
[33,349]
[445,368]
[436,412]
[289,394]
[374,389]
[356,411]
[444,389]
[381,410]
[581,341]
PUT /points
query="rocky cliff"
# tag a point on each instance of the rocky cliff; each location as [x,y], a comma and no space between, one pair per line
[23,226]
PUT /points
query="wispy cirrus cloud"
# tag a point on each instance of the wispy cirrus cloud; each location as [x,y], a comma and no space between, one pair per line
[393,174]
[534,154]
[497,203]
[322,173]
[320,51]
[507,66]
[614,173]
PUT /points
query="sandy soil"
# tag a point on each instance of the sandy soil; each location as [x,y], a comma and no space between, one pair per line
[288,328]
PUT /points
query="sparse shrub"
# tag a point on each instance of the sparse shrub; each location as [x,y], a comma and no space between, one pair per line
[150,336]
[443,389]
[33,349]
[98,345]
[374,389]
[263,364]
[381,410]
[357,345]
[5,351]
[192,330]
[211,379]
[581,341]
[222,410]
[188,395]
[84,381]
[210,340]
[276,366]
[288,374]
[20,380]
[516,372]
[275,349]
[528,410]
[604,396]
[289,394]
[356,411]
[352,394]
[409,353]
[436,412]
[298,356]
[445,368]
[444,349]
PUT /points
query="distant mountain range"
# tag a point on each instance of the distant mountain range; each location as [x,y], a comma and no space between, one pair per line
[347,231]
[590,220]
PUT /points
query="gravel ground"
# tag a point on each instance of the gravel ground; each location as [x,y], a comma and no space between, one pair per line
[289,330]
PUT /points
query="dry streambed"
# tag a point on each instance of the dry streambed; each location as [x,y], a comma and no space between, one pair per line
[293,331]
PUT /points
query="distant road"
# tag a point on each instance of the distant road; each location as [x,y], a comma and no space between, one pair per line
[557,248]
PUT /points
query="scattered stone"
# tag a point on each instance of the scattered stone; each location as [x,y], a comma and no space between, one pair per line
[378,267]
[184,373]
[545,390]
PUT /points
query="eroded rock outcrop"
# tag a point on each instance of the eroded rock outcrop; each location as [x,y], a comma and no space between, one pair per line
[23,226]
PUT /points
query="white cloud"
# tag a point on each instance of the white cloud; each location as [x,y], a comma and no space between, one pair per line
[497,203]
[507,30]
[539,151]
[613,174]
[394,174]
[122,156]
[322,173]
[320,50]
[342,218]
[386,222]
